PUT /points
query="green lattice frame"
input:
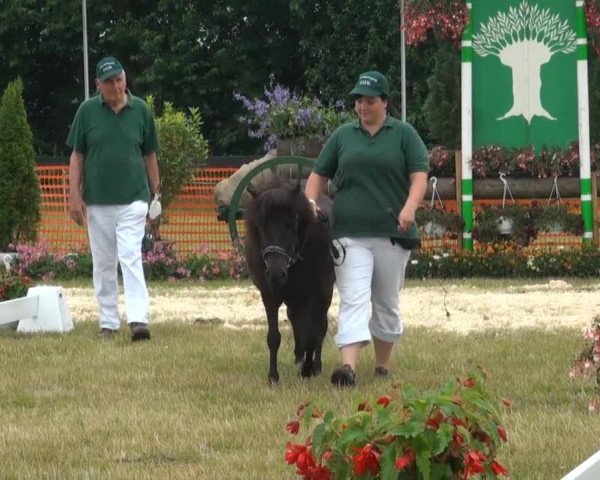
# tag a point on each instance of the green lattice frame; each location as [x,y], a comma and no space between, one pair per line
[272,164]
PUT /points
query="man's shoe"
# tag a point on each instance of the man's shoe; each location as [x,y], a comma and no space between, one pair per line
[107,333]
[343,376]
[382,372]
[139,331]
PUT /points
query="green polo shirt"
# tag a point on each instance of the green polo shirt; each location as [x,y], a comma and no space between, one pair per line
[114,145]
[372,177]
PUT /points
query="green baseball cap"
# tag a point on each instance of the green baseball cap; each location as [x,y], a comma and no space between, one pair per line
[371,84]
[108,67]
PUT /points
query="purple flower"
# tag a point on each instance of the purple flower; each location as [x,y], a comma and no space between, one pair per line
[303,117]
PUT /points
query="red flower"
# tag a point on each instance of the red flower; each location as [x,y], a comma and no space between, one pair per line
[474,463]
[457,422]
[301,456]
[327,455]
[293,427]
[434,420]
[498,469]
[506,402]
[405,460]
[502,433]
[467,382]
[366,460]
[384,400]
[319,473]
[458,438]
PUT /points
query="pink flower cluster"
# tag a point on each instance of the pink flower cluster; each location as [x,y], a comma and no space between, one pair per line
[446,19]
[587,364]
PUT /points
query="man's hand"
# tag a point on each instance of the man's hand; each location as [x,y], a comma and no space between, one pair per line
[155,208]
[77,209]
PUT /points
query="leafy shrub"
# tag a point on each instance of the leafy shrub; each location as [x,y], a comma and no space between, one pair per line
[20,195]
[182,148]
[161,263]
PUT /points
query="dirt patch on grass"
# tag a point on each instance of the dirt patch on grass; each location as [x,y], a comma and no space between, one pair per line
[439,305]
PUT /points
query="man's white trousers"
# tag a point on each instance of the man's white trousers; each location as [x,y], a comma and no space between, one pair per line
[116,233]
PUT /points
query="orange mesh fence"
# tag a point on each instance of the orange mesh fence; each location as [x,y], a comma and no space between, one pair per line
[191,220]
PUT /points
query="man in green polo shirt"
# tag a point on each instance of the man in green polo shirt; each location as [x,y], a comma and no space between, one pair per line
[379,166]
[113,173]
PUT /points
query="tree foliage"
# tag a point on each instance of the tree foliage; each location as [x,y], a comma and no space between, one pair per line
[19,184]
[200,53]
[442,106]
[182,147]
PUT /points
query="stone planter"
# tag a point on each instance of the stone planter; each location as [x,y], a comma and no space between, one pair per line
[309,147]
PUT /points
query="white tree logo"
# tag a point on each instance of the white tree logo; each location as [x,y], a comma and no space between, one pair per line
[524,39]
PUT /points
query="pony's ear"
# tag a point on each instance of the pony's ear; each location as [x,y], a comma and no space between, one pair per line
[252,191]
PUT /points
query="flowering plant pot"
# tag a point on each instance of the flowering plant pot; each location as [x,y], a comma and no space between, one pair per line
[556,218]
[494,224]
[436,223]
[304,147]
[451,433]
[285,115]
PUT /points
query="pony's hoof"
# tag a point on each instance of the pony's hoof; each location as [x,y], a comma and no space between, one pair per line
[273,379]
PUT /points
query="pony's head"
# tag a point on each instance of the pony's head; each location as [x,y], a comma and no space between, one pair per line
[277,219]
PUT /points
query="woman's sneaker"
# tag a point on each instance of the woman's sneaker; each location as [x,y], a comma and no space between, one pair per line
[343,376]
[382,372]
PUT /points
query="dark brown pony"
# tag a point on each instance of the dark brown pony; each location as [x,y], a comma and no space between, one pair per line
[288,256]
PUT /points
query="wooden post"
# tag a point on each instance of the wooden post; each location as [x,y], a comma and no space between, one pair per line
[595,236]
[458,184]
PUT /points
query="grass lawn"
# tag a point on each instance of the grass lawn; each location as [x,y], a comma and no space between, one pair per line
[194,403]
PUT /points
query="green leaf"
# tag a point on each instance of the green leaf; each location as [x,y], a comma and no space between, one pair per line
[387,462]
[423,456]
[444,434]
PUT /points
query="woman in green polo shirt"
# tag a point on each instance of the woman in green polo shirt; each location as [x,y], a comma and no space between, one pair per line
[379,166]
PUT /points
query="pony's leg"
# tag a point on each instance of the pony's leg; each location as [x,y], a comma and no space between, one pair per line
[320,326]
[273,339]
[298,340]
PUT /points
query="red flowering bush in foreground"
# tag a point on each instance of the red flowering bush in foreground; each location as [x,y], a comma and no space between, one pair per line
[587,363]
[13,286]
[450,433]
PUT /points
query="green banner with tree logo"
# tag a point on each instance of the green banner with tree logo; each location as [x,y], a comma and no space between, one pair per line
[524,73]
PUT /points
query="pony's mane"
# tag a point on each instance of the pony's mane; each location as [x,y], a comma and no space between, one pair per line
[279,194]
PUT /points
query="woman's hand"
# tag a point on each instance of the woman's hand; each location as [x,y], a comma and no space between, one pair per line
[406,218]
